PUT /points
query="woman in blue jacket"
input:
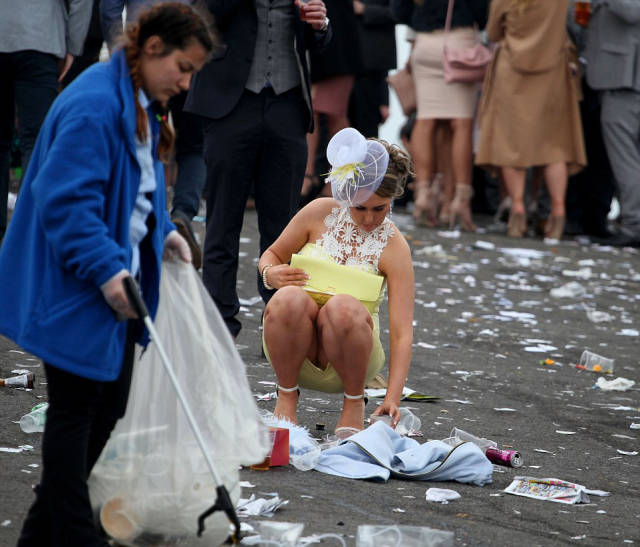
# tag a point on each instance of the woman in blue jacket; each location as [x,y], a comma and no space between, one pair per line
[92,211]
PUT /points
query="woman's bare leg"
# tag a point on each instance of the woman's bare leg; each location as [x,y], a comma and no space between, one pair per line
[514,181]
[290,337]
[345,340]
[556,176]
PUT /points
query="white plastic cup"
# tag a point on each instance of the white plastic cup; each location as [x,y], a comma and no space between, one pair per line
[596,363]
[408,422]
[35,420]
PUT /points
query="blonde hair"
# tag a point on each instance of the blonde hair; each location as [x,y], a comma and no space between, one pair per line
[398,171]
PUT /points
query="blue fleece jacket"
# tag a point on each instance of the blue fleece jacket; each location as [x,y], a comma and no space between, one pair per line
[70,231]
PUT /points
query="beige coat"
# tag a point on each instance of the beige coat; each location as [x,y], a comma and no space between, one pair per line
[529,112]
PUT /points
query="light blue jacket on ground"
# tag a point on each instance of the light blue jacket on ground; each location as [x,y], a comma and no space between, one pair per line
[70,231]
[379,452]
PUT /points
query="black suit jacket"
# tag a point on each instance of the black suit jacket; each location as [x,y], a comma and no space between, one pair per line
[217,88]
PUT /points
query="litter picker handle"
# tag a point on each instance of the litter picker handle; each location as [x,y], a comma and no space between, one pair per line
[135,299]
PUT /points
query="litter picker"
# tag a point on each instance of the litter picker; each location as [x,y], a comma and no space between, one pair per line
[223,501]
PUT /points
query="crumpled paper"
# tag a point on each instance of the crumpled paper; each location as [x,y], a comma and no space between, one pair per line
[259,506]
[619,384]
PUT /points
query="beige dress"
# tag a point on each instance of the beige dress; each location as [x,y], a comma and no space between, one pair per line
[529,113]
[437,99]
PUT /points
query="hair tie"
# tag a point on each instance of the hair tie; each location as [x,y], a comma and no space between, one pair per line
[161,117]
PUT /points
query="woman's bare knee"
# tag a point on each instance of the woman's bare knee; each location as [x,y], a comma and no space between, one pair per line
[289,304]
[345,313]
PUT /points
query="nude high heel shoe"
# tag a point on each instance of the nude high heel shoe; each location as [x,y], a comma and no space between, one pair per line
[424,205]
[517,225]
[461,208]
[554,228]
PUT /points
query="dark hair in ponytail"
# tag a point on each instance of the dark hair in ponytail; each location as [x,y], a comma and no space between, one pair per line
[177,25]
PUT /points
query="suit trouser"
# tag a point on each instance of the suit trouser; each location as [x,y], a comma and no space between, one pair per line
[260,144]
[370,92]
[81,415]
[590,191]
[621,129]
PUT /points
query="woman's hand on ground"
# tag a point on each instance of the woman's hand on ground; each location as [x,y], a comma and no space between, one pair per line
[390,408]
[283,275]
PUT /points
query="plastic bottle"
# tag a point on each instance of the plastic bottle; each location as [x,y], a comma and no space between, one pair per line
[34,421]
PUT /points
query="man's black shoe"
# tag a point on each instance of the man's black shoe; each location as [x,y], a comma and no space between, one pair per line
[183,224]
[617,240]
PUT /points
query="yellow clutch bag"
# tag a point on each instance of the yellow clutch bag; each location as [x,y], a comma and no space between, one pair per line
[327,279]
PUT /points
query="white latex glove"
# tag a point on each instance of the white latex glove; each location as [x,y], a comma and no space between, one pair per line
[116,296]
[175,243]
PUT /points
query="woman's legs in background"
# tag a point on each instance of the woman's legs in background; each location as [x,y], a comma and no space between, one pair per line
[444,171]
[422,146]
[556,177]
[290,337]
[461,160]
[514,180]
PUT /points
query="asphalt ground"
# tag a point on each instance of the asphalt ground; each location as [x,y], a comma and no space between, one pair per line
[480,313]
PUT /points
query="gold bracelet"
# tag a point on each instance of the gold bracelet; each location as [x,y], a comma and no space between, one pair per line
[264,277]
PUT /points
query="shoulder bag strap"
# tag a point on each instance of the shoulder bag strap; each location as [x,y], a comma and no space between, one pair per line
[447,25]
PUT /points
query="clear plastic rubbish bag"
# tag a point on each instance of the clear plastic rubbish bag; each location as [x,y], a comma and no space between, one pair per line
[152,481]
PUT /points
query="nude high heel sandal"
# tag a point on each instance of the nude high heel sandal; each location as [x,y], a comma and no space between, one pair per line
[425,203]
[461,208]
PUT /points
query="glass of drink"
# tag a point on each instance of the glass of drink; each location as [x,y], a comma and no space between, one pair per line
[582,12]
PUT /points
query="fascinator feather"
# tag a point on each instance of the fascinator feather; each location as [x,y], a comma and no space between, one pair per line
[358,166]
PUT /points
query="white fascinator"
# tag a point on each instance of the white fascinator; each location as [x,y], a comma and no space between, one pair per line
[357,166]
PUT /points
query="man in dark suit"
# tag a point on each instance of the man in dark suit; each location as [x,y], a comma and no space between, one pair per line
[369,103]
[256,98]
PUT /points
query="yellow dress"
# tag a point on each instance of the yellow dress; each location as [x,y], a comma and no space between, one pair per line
[343,243]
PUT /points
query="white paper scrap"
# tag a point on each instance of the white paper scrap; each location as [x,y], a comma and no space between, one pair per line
[259,507]
[441,495]
[619,384]
[625,453]
[561,432]
[505,409]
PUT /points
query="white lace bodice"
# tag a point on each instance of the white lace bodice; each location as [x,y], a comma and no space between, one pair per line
[348,244]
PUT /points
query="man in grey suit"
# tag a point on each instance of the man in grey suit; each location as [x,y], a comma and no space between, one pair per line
[613,68]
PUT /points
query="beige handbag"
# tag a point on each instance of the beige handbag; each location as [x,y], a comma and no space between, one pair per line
[402,83]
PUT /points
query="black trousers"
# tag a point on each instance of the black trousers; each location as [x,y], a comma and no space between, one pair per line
[81,415]
[370,92]
[29,86]
[262,145]
[591,190]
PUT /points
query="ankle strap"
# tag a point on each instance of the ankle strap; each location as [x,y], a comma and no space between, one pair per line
[287,389]
[353,397]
